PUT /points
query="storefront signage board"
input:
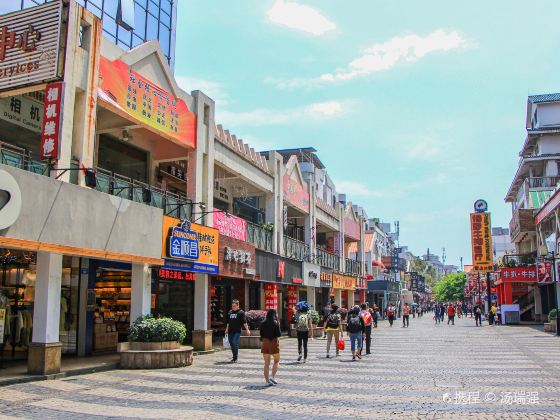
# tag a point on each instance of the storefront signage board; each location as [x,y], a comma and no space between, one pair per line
[230,225]
[311,275]
[51,127]
[296,194]
[326,278]
[146,102]
[270,296]
[167,274]
[341,281]
[518,274]
[22,111]
[30,51]
[190,247]
[481,241]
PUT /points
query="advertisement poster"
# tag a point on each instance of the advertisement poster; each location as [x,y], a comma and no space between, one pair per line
[231,226]
[270,296]
[481,240]
[146,102]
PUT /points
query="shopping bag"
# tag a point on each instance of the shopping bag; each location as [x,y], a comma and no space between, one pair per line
[341,344]
[226,342]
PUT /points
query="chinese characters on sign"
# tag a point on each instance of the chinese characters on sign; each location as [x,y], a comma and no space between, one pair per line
[521,274]
[175,275]
[414,281]
[52,121]
[231,226]
[296,194]
[147,102]
[194,245]
[292,300]
[23,111]
[341,281]
[30,45]
[481,240]
[270,296]
[326,279]
[237,256]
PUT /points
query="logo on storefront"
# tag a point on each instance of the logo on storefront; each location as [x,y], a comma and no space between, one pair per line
[281,269]
[10,200]
[183,243]
[312,275]
[235,255]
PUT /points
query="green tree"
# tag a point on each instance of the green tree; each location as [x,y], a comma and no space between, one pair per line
[429,273]
[451,287]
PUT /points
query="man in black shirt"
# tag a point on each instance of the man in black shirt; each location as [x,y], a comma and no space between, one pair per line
[235,321]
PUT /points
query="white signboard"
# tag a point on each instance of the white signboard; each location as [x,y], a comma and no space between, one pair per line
[22,111]
[30,45]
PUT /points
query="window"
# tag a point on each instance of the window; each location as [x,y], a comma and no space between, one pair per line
[164,34]
[109,25]
[140,22]
[152,28]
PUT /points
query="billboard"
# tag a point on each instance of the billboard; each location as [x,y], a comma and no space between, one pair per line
[481,241]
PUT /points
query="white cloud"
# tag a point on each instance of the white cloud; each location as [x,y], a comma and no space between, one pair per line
[300,17]
[427,148]
[213,90]
[266,116]
[356,189]
[382,57]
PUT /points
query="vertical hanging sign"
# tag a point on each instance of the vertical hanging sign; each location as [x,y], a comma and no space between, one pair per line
[52,121]
[270,296]
[481,240]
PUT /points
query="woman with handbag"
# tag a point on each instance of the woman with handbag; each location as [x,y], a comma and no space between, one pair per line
[270,347]
[333,327]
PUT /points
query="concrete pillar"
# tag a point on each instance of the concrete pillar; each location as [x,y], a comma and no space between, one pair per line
[82,309]
[45,348]
[338,297]
[201,335]
[141,296]
[311,297]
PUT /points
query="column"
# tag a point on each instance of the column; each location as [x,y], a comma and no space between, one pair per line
[538,303]
[311,298]
[141,296]
[201,335]
[45,348]
[338,297]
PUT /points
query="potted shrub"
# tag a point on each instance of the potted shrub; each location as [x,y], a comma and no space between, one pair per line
[315,318]
[254,320]
[155,343]
[552,319]
[343,312]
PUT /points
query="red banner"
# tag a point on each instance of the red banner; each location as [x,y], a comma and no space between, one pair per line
[52,121]
[230,225]
[518,274]
[146,102]
[270,296]
[292,300]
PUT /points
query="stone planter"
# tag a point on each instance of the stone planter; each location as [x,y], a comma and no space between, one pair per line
[293,332]
[318,331]
[158,355]
[550,326]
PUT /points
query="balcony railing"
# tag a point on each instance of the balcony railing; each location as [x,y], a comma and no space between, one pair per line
[174,205]
[328,260]
[353,267]
[295,249]
[261,238]
[543,182]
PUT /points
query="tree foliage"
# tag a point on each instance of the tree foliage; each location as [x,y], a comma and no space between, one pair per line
[429,273]
[451,287]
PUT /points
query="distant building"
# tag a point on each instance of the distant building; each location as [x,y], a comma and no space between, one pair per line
[501,243]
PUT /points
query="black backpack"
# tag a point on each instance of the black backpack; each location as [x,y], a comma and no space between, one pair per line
[354,324]
[333,321]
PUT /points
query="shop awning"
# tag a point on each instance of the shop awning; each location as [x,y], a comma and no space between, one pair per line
[379,264]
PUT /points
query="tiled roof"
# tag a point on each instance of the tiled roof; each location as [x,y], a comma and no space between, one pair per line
[547,97]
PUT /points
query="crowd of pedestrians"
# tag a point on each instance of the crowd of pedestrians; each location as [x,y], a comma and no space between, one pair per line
[359,324]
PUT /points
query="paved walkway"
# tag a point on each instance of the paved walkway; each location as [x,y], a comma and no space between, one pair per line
[425,371]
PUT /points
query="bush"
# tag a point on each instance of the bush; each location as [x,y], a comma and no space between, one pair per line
[255,318]
[552,315]
[314,316]
[147,329]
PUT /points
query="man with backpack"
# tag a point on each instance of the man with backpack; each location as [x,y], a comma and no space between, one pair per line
[356,330]
[304,328]
[391,314]
[366,316]
[333,327]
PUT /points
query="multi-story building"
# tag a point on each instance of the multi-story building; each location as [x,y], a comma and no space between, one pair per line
[501,243]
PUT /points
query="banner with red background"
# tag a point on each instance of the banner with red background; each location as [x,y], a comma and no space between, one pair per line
[270,296]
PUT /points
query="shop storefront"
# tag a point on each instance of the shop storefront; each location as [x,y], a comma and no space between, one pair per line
[324,295]
[346,285]
[237,262]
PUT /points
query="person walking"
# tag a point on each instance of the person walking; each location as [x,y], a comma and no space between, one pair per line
[326,311]
[470,309]
[376,315]
[270,346]
[478,315]
[451,314]
[333,326]
[442,312]
[406,315]
[304,329]
[437,316]
[492,314]
[235,321]
[390,314]
[356,330]
[368,323]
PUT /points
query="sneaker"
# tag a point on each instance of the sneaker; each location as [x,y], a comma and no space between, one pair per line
[353,358]
[304,360]
[358,356]
[337,354]
[273,381]
[328,357]
[233,360]
[269,383]
[299,358]
[368,352]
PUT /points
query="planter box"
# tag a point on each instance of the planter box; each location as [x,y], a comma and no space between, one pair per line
[252,342]
[253,333]
[170,354]
[318,332]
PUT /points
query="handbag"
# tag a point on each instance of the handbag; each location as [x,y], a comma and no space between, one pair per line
[340,344]
[226,342]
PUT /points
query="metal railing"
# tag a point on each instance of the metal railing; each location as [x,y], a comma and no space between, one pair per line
[326,259]
[353,267]
[543,182]
[295,249]
[20,158]
[172,204]
[260,237]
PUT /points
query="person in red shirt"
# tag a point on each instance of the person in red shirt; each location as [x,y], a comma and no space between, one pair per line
[451,314]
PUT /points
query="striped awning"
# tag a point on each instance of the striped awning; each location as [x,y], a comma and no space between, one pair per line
[538,198]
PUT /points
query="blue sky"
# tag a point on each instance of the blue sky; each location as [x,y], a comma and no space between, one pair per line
[416,107]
